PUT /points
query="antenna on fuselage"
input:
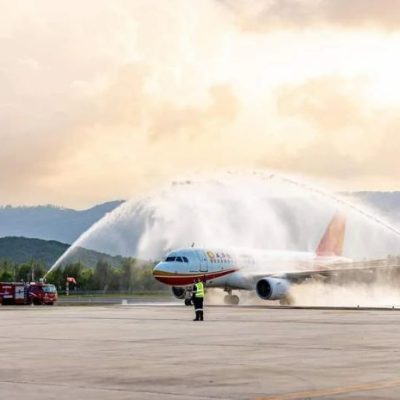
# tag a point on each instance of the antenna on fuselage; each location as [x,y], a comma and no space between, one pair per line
[192,245]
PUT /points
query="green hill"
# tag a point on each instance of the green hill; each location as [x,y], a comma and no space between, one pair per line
[21,250]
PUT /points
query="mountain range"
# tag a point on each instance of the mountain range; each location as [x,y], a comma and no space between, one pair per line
[66,225]
[49,222]
[386,203]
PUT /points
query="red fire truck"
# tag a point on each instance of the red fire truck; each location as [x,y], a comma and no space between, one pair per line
[27,293]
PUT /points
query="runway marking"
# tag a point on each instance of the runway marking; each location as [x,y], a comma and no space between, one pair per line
[310,394]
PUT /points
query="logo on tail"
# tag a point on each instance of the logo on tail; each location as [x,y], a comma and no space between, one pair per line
[331,243]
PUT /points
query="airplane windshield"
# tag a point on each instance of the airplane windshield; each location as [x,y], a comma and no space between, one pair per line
[177,259]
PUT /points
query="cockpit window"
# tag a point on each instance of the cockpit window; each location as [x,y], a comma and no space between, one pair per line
[177,259]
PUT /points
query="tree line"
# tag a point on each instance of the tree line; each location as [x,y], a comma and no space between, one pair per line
[130,277]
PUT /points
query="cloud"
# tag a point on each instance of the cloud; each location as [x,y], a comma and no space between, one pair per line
[350,137]
[303,14]
[191,121]
[95,96]
[104,100]
[331,103]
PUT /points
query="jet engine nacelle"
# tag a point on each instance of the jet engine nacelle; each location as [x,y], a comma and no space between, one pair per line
[179,292]
[272,288]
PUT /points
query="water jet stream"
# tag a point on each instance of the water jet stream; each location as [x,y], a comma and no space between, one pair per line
[256,209]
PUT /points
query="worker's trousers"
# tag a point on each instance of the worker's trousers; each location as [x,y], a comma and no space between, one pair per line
[198,307]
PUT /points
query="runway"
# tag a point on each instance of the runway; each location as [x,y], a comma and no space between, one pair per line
[157,352]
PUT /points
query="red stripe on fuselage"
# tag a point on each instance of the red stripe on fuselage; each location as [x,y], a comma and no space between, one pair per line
[187,279]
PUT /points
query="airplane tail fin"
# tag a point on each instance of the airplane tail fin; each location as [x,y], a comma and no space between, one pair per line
[331,243]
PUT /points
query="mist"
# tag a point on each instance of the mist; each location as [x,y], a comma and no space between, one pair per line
[351,294]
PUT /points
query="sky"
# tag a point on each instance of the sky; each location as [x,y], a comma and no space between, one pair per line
[105,100]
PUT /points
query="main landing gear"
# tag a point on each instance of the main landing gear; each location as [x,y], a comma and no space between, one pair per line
[286,301]
[231,299]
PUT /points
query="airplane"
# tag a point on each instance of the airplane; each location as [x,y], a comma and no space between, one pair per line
[270,273]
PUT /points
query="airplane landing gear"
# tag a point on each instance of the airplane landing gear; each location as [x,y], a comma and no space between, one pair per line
[188,296]
[286,301]
[231,299]
[188,302]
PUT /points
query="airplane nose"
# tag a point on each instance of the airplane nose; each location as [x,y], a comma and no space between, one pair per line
[162,272]
[159,269]
[156,269]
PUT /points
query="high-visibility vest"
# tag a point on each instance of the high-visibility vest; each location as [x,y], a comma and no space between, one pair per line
[199,289]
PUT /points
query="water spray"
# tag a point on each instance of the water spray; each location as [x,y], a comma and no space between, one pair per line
[341,201]
[231,208]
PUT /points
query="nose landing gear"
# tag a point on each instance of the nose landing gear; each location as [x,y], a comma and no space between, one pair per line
[188,296]
[188,302]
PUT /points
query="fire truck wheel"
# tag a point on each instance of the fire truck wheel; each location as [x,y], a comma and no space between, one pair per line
[51,303]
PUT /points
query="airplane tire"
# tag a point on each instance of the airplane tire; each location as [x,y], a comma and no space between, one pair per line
[286,301]
[188,302]
[231,299]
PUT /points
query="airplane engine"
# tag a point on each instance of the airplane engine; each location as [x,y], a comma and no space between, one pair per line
[179,292]
[272,288]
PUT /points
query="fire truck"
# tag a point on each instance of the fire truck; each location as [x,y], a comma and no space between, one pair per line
[27,293]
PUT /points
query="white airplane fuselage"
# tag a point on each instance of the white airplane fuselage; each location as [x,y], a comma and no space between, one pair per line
[235,268]
[270,273]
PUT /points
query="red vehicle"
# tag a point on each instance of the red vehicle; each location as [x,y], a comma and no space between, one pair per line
[42,293]
[27,293]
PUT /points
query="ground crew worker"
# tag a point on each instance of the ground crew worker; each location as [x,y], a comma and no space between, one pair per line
[198,297]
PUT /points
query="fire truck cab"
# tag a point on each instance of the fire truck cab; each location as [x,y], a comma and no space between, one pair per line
[42,293]
[27,293]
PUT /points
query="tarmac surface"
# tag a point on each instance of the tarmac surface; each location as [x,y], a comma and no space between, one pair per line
[157,352]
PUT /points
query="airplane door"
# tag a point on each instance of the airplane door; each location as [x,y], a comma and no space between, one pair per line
[203,261]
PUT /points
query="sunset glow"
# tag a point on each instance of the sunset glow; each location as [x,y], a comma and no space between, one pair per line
[104,99]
